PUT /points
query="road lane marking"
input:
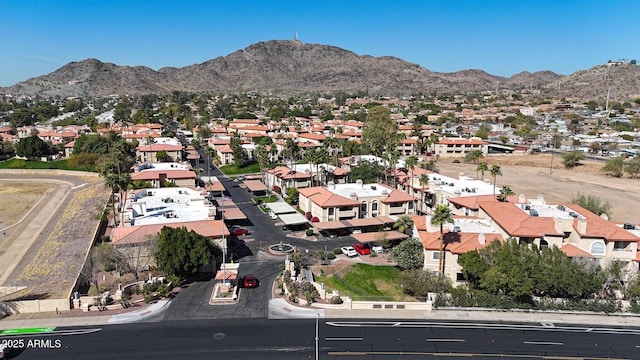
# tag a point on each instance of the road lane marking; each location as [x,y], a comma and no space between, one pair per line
[542,343]
[343,339]
[446,340]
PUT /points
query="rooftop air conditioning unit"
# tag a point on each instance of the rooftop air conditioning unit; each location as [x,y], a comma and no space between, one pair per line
[573,214]
[533,212]
[526,207]
[628,226]
[149,193]
[456,229]
[561,207]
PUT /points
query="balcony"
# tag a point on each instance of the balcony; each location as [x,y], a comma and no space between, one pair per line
[623,254]
[396,210]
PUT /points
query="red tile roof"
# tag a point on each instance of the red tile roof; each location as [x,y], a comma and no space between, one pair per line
[457,242]
[516,222]
[598,227]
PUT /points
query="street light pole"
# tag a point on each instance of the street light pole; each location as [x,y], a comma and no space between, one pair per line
[317,335]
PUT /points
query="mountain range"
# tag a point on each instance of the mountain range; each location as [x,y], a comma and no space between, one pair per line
[288,67]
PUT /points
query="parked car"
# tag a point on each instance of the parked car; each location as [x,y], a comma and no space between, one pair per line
[349,251]
[250,281]
[377,249]
[4,350]
[238,231]
[362,249]
[240,178]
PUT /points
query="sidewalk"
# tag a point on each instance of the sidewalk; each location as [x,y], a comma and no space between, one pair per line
[94,320]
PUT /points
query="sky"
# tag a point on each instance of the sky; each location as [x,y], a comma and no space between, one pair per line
[500,37]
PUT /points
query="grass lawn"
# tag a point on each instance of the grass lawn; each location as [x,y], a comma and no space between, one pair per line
[265,199]
[366,282]
[234,170]
[25,164]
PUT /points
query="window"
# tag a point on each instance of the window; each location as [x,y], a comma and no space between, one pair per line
[597,248]
[332,211]
[435,255]
[544,243]
[460,277]
[374,205]
[363,207]
[619,246]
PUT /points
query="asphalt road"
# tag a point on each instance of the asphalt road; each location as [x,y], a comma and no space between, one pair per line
[295,339]
[193,301]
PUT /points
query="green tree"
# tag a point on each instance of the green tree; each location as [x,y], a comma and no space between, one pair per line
[7,150]
[572,159]
[409,254]
[84,160]
[592,203]
[632,167]
[368,172]
[180,252]
[482,167]
[495,172]
[239,155]
[380,131]
[614,167]
[93,144]
[418,282]
[473,156]
[292,196]
[482,133]
[403,223]
[162,156]
[505,192]
[32,147]
[441,215]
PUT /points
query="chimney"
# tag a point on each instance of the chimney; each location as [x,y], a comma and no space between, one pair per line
[482,239]
[359,182]
[521,199]
[582,225]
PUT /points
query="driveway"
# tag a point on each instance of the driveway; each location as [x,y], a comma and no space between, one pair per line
[193,301]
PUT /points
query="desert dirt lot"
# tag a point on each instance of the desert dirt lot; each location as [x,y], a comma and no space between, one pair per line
[45,248]
[530,175]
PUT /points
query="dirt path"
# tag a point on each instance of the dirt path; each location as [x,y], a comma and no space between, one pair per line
[530,175]
[46,251]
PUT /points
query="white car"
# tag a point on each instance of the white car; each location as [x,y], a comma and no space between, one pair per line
[349,251]
[377,249]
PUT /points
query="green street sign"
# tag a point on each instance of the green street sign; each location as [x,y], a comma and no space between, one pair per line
[27,330]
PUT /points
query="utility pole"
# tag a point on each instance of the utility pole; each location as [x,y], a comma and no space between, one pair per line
[317,336]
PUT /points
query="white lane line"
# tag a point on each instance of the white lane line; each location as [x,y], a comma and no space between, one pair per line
[542,343]
[344,339]
[446,340]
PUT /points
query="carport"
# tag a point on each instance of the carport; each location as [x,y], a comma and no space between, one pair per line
[281,207]
[256,187]
[293,219]
[373,236]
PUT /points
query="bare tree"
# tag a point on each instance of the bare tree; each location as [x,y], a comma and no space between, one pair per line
[137,257]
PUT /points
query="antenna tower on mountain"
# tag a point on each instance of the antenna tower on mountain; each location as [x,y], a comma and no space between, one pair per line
[295,36]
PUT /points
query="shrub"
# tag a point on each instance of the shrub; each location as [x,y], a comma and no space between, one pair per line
[330,256]
[337,251]
[336,300]
[105,238]
[309,232]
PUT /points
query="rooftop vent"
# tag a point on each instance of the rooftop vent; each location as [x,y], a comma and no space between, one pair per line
[628,226]
[533,212]
[573,214]
[561,208]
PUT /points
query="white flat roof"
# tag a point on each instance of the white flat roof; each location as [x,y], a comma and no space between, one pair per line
[361,190]
[163,166]
[281,207]
[293,219]
[167,205]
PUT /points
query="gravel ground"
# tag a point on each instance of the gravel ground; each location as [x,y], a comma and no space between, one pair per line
[50,267]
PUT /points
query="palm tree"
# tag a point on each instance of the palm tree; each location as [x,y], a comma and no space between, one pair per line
[441,215]
[505,192]
[403,223]
[424,180]
[482,167]
[495,171]
[411,163]
[208,150]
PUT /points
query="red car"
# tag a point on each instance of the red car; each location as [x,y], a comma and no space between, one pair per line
[362,249]
[250,281]
[238,231]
